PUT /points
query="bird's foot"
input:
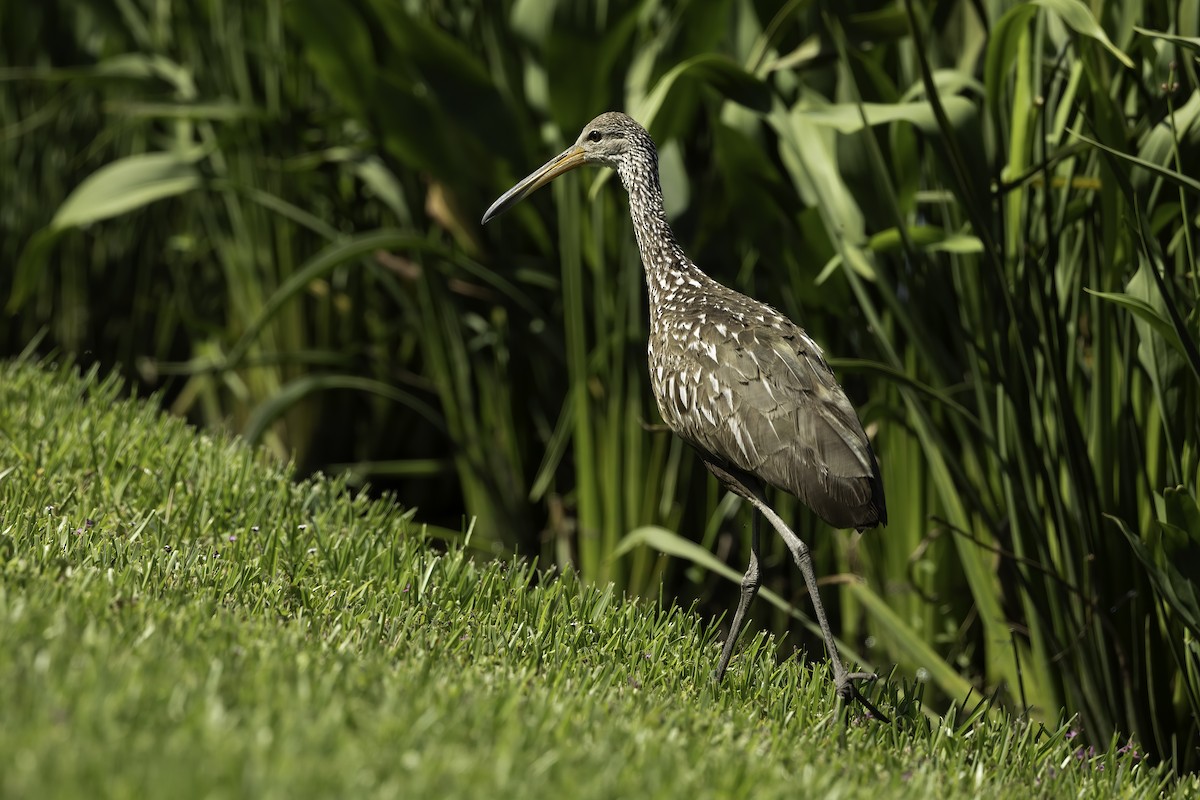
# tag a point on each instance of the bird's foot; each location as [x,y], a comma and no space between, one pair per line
[845,684]
[847,690]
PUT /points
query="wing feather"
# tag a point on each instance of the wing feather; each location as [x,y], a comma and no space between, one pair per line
[772,407]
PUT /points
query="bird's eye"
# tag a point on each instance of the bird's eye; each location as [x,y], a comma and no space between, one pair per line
[595,136]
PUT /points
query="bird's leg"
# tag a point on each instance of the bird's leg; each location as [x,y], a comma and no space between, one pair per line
[843,680]
[750,583]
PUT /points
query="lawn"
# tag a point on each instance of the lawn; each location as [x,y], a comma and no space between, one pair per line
[181,617]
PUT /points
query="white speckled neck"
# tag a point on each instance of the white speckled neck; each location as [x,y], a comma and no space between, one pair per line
[666,265]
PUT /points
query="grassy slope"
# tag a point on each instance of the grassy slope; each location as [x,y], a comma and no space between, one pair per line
[218,629]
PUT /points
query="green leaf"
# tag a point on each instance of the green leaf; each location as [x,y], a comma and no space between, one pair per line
[337,43]
[926,237]
[1002,49]
[575,95]
[1177,178]
[851,117]
[532,19]
[1176,507]
[127,184]
[1145,312]
[292,393]
[218,110]
[674,176]
[318,266]
[384,184]
[671,543]
[31,266]
[1171,135]
[718,72]
[664,541]
[1190,42]
[1080,18]
[1176,589]
[809,154]
[122,186]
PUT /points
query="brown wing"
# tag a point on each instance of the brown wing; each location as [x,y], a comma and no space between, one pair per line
[767,404]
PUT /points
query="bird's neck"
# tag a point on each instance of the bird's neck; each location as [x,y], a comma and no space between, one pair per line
[667,267]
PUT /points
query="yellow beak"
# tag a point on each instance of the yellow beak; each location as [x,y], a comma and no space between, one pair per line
[568,160]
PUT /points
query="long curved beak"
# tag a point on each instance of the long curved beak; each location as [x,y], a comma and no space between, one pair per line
[568,160]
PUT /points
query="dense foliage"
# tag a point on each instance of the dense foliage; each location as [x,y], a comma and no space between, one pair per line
[985,208]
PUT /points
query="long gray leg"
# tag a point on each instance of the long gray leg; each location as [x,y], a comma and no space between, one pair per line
[750,583]
[843,680]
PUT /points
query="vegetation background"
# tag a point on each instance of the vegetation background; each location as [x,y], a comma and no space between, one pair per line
[269,213]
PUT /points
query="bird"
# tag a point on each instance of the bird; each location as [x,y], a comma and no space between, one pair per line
[741,383]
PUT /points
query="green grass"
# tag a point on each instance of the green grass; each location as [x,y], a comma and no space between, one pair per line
[179,617]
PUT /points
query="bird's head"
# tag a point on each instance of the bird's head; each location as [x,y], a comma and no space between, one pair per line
[612,139]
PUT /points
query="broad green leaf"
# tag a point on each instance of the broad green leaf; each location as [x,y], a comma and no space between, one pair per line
[958,244]
[1176,507]
[114,189]
[129,66]
[851,117]
[671,543]
[718,72]
[949,82]
[751,184]
[675,183]
[1079,17]
[859,259]
[1162,354]
[1145,312]
[927,237]
[532,19]
[382,181]
[1169,136]
[808,152]
[127,184]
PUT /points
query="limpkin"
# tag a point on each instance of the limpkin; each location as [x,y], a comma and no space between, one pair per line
[739,381]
